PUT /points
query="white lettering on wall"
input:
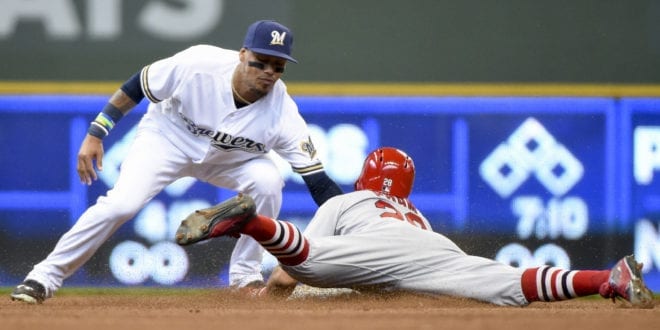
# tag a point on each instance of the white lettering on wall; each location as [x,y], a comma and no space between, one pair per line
[647,153]
[58,17]
[194,19]
[647,244]
[562,217]
[103,19]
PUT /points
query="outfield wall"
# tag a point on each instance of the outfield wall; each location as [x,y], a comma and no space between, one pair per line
[567,180]
[475,41]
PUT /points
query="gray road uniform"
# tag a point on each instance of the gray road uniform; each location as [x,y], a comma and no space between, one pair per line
[364,239]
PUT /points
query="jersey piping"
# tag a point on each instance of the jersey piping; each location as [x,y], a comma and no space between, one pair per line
[145,85]
[316,168]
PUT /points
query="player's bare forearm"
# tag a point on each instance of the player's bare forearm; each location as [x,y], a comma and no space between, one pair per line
[122,101]
[280,284]
[91,149]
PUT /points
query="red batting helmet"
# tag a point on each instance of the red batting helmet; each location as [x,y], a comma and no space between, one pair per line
[387,170]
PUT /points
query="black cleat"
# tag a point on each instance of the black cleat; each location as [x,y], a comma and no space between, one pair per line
[30,291]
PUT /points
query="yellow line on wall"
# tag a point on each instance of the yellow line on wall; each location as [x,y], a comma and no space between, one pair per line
[57,87]
[377,89]
[474,89]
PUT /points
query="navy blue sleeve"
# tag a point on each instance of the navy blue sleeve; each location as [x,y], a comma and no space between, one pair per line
[321,187]
[132,88]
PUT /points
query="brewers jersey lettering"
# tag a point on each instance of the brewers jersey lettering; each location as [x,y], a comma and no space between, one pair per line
[205,123]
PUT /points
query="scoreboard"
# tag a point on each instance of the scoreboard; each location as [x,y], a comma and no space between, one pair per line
[571,182]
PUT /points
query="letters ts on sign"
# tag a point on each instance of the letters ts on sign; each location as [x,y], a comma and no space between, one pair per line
[102,19]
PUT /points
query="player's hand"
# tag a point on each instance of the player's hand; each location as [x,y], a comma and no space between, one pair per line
[90,151]
[280,284]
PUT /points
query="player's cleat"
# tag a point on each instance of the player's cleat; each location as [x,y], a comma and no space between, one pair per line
[626,283]
[30,291]
[224,219]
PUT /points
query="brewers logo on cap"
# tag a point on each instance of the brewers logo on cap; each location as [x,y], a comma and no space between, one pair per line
[270,38]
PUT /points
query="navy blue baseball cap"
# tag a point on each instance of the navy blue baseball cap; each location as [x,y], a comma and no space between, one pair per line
[270,38]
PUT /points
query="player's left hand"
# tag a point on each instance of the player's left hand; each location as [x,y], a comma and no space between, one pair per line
[90,151]
[279,285]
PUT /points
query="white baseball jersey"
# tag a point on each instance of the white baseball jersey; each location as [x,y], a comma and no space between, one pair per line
[193,128]
[365,240]
[191,95]
[193,107]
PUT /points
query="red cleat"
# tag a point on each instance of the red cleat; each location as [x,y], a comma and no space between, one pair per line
[626,283]
[224,219]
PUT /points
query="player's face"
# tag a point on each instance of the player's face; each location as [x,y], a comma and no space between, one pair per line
[260,72]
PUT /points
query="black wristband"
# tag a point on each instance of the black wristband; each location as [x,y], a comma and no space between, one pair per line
[112,112]
[97,130]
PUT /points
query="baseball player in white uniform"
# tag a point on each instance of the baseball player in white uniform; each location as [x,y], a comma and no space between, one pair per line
[375,239]
[214,115]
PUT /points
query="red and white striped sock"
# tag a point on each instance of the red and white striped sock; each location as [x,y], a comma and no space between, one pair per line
[280,238]
[551,284]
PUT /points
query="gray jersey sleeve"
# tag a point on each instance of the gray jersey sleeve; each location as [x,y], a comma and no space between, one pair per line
[324,222]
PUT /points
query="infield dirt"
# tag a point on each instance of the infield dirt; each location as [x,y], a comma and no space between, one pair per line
[195,309]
